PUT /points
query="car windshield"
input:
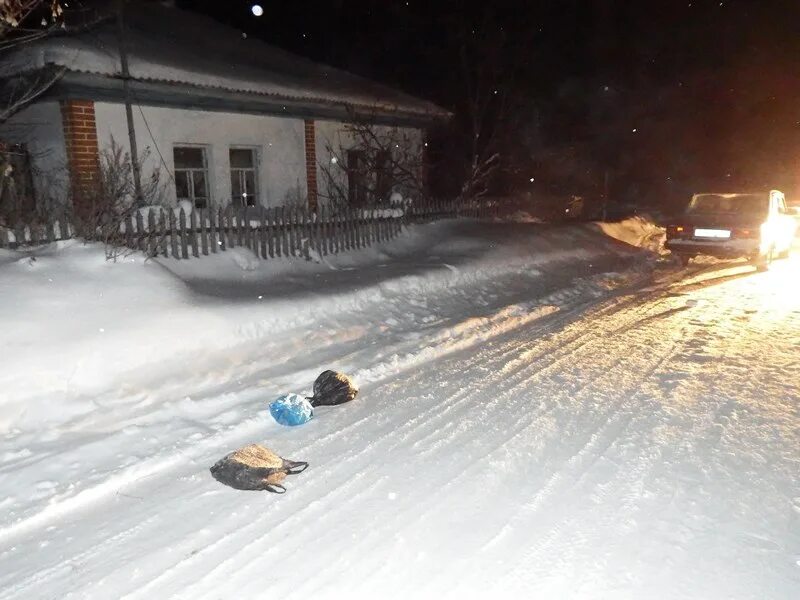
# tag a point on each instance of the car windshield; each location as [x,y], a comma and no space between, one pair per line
[710,204]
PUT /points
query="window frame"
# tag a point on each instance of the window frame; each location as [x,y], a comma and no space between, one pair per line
[205,170]
[241,171]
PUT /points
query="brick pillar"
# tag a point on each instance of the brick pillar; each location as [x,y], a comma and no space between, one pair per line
[311,164]
[83,157]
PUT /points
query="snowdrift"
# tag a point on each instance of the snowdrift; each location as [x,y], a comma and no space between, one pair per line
[81,332]
[637,231]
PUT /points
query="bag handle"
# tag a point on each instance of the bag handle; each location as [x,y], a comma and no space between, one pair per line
[294,467]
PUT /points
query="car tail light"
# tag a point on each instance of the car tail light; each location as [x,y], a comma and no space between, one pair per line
[677,231]
[746,233]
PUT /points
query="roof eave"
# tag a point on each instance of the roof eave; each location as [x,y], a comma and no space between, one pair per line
[91,86]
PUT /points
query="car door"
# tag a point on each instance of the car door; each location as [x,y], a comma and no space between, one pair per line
[784,227]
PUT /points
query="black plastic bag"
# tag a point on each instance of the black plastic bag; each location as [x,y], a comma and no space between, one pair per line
[332,388]
[256,468]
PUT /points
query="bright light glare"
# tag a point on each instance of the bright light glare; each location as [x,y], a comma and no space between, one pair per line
[777,234]
[257,10]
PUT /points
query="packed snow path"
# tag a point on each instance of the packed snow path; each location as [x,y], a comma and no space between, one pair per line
[645,446]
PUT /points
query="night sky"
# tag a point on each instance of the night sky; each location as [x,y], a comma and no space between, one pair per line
[668,96]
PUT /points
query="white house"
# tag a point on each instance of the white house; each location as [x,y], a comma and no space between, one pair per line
[223,117]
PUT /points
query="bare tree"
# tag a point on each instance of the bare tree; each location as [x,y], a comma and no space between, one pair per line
[375,164]
[21,22]
[24,89]
[488,60]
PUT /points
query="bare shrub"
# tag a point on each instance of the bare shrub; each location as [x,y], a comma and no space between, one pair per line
[380,161]
[113,201]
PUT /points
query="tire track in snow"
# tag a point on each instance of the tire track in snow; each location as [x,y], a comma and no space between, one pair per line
[411,426]
[482,358]
[551,543]
[515,433]
[357,423]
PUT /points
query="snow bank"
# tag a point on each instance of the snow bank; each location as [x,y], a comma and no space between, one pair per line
[81,332]
[637,231]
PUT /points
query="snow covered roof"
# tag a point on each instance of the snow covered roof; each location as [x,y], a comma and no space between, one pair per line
[168,45]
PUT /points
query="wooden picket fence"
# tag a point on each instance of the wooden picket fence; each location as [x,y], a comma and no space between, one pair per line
[57,227]
[268,232]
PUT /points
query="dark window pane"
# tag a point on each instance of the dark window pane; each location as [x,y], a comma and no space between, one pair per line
[242,158]
[188,158]
[250,182]
[355,177]
[200,190]
[181,184]
[383,182]
[236,185]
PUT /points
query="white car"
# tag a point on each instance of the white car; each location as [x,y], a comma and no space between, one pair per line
[757,226]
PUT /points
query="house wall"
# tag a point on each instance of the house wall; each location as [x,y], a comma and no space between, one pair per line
[39,126]
[279,143]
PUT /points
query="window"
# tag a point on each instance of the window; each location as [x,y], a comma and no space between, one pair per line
[356,188]
[244,189]
[383,176]
[191,175]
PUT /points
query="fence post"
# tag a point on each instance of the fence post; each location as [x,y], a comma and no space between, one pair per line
[238,223]
[220,245]
[129,231]
[161,241]
[278,230]
[140,233]
[212,232]
[68,225]
[351,221]
[184,246]
[203,232]
[320,231]
[333,227]
[152,246]
[270,231]
[298,236]
[173,234]
[360,222]
[365,228]
[305,238]
[344,230]
[322,242]
[290,231]
[298,232]
[34,234]
[262,228]
[308,214]
[48,228]
[286,232]
[193,233]
[227,220]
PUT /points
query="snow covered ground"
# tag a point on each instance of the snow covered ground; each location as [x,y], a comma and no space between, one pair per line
[540,416]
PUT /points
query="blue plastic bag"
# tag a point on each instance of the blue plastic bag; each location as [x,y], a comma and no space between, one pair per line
[291,410]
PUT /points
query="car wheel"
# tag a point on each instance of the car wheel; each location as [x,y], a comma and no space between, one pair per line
[762,260]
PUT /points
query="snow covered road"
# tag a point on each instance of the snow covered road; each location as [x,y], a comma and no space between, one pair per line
[643,445]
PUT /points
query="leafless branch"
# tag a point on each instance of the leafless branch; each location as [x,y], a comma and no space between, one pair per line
[21,90]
